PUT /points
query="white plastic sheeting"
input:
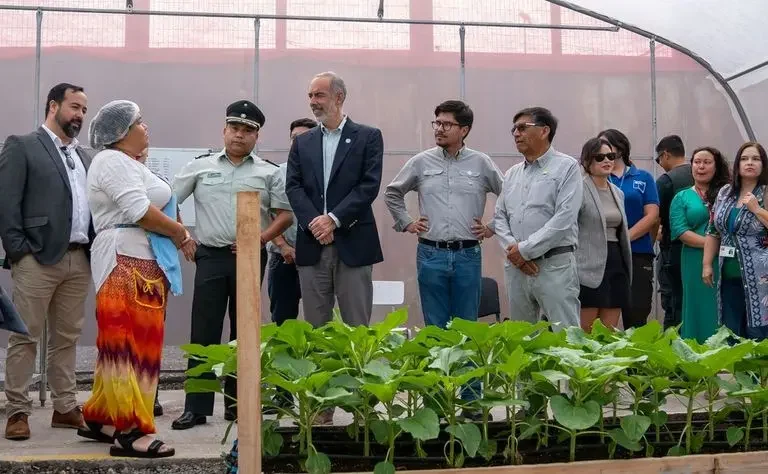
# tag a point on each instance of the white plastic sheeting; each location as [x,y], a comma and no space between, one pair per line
[730,36]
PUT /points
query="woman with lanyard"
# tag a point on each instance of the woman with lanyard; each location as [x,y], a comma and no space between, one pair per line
[738,235]
[688,222]
[641,205]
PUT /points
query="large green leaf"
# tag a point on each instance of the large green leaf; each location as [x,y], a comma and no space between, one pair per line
[213,353]
[384,392]
[346,381]
[202,386]
[272,441]
[423,425]
[468,434]
[318,380]
[515,363]
[333,393]
[279,381]
[423,380]
[393,320]
[635,426]
[621,438]
[647,334]
[551,376]
[576,336]
[293,368]
[384,467]
[447,357]
[478,331]
[381,369]
[318,463]
[734,435]
[575,418]
[380,430]
[200,369]
[293,332]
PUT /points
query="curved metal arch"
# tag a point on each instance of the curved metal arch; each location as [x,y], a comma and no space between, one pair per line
[701,61]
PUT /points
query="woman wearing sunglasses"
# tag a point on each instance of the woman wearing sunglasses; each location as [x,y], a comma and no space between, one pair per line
[604,255]
[688,221]
[641,204]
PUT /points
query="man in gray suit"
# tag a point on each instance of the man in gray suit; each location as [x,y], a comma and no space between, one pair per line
[45,227]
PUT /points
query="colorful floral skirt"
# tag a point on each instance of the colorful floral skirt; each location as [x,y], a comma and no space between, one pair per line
[130,312]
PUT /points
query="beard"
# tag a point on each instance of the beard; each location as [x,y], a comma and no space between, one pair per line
[70,128]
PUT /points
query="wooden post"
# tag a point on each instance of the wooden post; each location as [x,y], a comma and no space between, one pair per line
[249,332]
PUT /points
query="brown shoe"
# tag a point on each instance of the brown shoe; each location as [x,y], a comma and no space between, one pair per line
[73,419]
[17,428]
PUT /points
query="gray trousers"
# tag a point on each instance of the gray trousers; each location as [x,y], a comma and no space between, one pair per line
[331,279]
[553,292]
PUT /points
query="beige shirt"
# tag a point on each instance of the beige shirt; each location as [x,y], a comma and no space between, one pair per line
[452,191]
[611,213]
[215,182]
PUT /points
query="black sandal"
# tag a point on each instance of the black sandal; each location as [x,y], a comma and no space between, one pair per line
[126,440]
[94,433]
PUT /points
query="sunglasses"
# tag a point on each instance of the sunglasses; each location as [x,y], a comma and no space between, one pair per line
[522,127]
[599,157]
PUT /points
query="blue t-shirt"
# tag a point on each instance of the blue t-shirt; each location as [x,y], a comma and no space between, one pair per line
[639,189]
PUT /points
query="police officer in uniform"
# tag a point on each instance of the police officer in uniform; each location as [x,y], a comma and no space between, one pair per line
[215,181]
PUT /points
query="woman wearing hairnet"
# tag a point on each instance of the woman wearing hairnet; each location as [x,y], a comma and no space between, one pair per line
[133,272]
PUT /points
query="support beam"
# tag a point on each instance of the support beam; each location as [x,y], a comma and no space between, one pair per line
[263,16]
[701,61]
[249,332]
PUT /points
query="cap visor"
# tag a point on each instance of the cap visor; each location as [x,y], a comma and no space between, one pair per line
[250,123]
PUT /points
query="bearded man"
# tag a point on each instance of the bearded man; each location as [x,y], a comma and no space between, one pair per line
[45,227]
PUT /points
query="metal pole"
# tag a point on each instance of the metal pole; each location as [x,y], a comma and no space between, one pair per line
[396,21]
[43,343]
[657,310]
[462,68]
[654,123]
[256,47]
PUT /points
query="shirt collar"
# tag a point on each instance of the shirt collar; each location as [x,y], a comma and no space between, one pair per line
[223,154]
[338,129]
[57,141]
[543,159]
[458,153]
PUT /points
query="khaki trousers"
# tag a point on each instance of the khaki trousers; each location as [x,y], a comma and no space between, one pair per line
[56,294]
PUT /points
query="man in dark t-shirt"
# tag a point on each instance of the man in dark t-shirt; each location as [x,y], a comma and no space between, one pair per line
[670,155]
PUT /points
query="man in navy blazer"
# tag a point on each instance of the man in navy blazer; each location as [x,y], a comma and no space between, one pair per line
[333,177]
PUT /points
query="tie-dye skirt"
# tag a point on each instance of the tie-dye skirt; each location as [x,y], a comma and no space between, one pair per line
[130,309]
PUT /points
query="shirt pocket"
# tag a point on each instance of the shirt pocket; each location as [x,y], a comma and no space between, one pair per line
[542,194]
[432,181]
[468,181]
[212,179]
[252,183]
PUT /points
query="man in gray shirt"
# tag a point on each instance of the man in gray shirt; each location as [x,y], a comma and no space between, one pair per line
[536,223]
[452,182]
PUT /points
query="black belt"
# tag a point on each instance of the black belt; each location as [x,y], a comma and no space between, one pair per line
[450,245]
[557,251]
[76,246]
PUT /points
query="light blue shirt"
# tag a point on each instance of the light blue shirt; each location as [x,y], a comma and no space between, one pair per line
[331,140]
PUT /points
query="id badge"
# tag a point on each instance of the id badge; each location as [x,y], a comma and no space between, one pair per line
[727,251]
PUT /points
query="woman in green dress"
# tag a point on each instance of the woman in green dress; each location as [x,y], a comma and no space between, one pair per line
[688,220]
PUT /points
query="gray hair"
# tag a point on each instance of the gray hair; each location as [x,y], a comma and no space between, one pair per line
[337,83]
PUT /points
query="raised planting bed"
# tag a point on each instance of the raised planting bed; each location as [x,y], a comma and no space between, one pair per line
[564,390]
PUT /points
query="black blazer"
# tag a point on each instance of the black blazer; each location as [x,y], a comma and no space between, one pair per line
[36,209]
[353,186]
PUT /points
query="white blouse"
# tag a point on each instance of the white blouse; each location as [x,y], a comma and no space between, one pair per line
[120,190]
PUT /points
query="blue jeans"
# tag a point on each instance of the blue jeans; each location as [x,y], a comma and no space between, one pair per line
[450,282]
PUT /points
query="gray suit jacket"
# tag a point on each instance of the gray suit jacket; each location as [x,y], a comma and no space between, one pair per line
[592,251]
[36,204]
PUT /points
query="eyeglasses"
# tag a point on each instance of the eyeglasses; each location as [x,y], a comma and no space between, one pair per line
[522,127]
[658,158]
[68,158]
[447,126]
[599,157]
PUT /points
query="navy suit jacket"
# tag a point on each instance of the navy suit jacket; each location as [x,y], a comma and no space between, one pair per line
[353,186]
